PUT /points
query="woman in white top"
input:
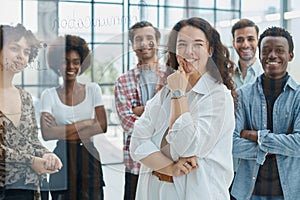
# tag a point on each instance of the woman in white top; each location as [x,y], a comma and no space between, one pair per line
[184,137]
[72,114]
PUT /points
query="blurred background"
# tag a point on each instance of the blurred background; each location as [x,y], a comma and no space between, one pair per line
[104,24]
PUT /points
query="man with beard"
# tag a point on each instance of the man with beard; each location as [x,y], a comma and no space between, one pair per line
[245,40]
[134,88]
[247,68]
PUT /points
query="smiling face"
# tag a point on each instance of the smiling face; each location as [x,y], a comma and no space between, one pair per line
[15,55]
[193,49]
[70,67]
[245,43]
[275,56]
[145,44]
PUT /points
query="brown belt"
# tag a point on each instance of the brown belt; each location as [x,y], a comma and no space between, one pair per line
[163,177]
[80,141]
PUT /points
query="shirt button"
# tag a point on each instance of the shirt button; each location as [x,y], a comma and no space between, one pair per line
[253,177]
[80,143]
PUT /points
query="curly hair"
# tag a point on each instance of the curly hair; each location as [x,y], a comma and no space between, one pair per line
[62,45]
[277,32]
[221,57]
[9,34]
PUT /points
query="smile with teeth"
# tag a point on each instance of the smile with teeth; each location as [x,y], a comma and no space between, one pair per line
[246,50]
[70,73]
[272,63]
[191,60]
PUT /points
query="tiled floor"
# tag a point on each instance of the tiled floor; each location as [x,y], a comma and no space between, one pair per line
[110,147]
[114,180]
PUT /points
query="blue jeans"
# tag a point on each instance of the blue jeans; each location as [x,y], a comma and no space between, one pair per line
[254,197]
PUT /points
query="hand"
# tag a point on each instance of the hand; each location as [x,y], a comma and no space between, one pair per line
[50,120]
[185,165]
[39,164]
[249,135]
[138,110]
[52,161]
[178,80]
[162,73]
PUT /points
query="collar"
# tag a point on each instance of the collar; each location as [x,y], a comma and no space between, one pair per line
[255,67]
[137,70]
[151,66]
[290,82]
[205,84]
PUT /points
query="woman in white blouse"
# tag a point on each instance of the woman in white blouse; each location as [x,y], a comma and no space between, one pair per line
[184,137]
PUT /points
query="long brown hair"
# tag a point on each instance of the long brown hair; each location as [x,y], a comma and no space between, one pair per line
[221,57]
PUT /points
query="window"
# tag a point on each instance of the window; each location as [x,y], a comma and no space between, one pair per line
[103,24]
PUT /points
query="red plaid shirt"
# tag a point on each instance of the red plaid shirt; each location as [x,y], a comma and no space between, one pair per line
[127,96]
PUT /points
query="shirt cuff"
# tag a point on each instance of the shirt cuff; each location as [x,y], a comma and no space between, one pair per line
[259,138]
[142,151]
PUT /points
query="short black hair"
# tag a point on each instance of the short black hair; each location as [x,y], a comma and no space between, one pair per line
[142,24]
[277,32]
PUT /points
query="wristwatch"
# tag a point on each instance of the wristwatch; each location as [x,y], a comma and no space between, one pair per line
[176,94]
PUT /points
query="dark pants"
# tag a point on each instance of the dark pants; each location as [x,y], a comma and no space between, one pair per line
[81,175]
[65,195]
[14,194]
[131,181]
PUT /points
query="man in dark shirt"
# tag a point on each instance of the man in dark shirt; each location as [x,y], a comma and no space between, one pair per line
[266,137]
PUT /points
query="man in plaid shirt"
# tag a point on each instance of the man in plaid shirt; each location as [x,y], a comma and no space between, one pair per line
[134,88]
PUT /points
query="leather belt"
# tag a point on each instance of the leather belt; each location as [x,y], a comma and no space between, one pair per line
[79,141]
[163,177]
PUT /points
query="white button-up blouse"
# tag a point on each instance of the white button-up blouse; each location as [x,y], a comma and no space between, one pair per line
[205,131]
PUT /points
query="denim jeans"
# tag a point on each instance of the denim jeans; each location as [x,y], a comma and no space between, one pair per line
[252,114]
